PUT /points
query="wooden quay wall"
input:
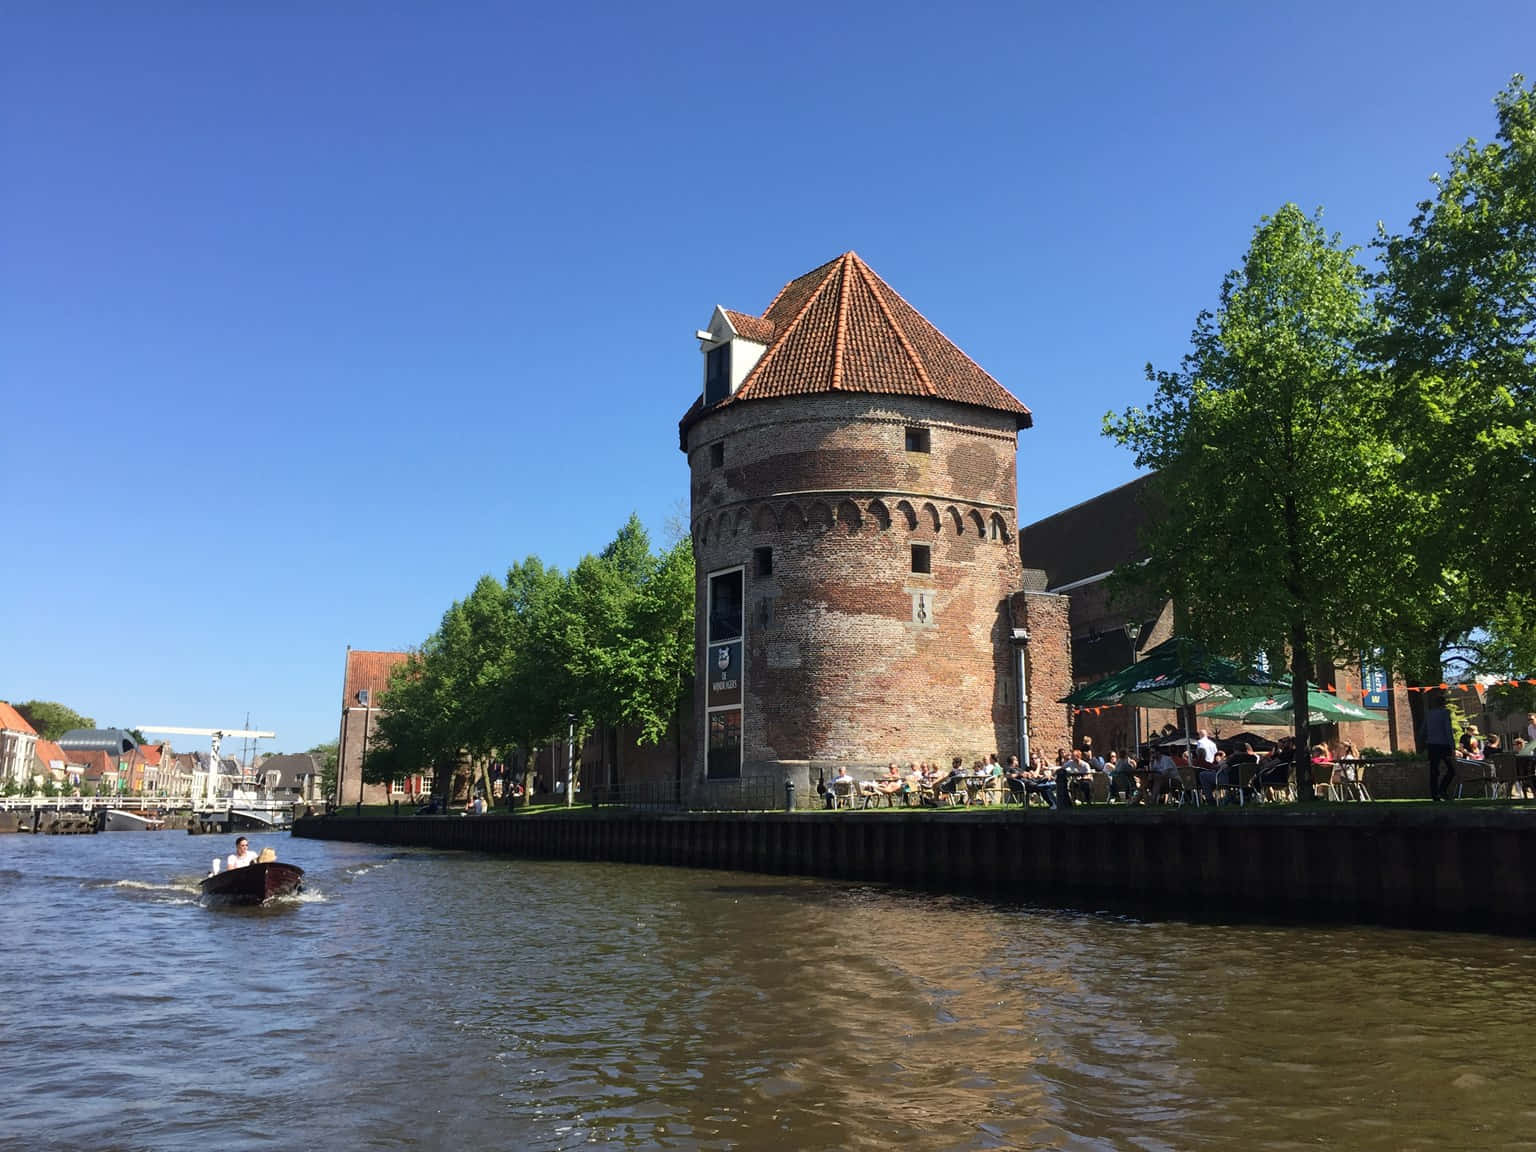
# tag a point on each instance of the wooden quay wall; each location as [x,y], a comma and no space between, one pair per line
[1456,869]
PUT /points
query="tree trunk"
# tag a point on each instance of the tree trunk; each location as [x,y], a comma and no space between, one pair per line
[1301,653]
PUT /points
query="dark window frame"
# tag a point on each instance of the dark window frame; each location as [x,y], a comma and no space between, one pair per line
[922,559]
[919,440]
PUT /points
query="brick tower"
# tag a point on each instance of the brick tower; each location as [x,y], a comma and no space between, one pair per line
[853,518]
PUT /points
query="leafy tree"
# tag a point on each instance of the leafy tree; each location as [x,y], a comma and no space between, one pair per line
[327,755]
[1458,292]
[1267,464]
[51,719]
[529,690]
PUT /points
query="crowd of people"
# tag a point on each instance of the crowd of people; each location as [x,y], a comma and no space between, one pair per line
[1155,773]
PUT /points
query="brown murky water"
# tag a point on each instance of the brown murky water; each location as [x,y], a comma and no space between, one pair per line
[430,1000]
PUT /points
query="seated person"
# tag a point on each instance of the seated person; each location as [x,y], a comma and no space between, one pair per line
[1122,777]
[242,855]
[890,784]
[1218,774]
[1237,762]
[1165,776]
[1471,744]
[1275,769]
[1080,777]
[952,785]
[1039,782]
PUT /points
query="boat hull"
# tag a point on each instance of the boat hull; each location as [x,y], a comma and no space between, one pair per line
[120,821]
[253,884]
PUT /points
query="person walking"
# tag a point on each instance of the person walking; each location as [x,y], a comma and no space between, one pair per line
[1439,741]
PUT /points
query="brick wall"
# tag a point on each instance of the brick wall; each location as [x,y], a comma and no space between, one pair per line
[836,666]
[1049,657]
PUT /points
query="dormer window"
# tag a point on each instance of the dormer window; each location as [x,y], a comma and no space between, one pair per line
[717,373]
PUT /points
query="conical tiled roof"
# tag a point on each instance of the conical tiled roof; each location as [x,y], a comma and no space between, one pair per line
[840,328]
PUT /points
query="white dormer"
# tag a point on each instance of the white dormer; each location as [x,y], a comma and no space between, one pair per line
[732,345]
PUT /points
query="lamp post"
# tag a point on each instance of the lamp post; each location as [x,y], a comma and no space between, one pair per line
[1132,631]
[570,760]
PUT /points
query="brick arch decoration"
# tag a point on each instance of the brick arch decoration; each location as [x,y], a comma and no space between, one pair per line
[848,516]
[821,516]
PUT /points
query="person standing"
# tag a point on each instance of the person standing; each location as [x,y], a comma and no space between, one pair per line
[1439,740]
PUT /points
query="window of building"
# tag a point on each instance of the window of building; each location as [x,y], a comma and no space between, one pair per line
[717,374]
[917,440]
[717,454]
[762,561]
[725,606]
[921,558]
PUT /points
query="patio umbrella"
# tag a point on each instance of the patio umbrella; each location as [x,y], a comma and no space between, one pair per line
[1175,674]
[1321,709]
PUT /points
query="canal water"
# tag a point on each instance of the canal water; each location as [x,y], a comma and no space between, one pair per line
[420,1000]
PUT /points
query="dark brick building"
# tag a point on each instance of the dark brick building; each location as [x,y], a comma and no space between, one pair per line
[860,596]
[1077,549]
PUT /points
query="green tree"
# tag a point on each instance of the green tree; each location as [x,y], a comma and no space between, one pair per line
[1267,463]
[1458,293]
[327,755]
[51,719]
[529,677]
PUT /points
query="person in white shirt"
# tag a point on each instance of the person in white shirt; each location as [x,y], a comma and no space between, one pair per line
[242,855]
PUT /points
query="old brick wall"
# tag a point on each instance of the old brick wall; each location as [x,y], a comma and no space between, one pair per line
[1049,657]
[850,656]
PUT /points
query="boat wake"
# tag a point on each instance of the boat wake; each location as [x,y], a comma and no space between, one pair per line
[176,892]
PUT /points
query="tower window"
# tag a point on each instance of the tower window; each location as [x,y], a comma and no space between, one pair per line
[762,560]
[717,454]
[917,440]
[717,373]
[921,558]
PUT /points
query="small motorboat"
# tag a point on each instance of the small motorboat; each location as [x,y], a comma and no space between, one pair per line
[254,884]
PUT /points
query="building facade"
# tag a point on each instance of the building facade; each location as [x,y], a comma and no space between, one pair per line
[363,681]
[859,592]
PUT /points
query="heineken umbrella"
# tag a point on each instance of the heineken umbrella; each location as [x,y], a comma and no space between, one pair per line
[1175,674]
[1321,709]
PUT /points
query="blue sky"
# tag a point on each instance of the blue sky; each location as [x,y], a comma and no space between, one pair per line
[312,313]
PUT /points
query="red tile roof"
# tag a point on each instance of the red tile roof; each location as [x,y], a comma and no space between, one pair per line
[12,721]
[840,328]
[49,752]
[751,327]
[369,670]
[97,762]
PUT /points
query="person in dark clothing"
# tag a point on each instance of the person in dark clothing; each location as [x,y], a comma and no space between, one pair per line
[1439,741]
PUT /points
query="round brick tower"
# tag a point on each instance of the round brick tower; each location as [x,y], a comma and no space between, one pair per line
[853,518]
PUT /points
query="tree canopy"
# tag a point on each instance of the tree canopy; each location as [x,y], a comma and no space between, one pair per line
[1346,458]
[1270,478]
[50,719]
[610,642]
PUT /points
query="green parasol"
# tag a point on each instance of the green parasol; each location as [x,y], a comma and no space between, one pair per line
[1175,674]
[1321,709]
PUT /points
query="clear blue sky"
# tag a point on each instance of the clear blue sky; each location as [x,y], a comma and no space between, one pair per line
[312,313]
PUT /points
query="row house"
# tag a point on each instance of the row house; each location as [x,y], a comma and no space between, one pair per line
[18,747]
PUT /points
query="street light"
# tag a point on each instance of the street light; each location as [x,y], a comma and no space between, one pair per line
[1132,631]
[570,759]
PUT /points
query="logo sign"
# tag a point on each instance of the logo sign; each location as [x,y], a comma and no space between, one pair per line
[1373,683]
[724,672]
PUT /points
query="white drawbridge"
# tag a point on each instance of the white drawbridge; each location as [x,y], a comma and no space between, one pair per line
[215,735]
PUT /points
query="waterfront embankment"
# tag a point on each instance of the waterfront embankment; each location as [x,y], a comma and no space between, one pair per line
[1466,869]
